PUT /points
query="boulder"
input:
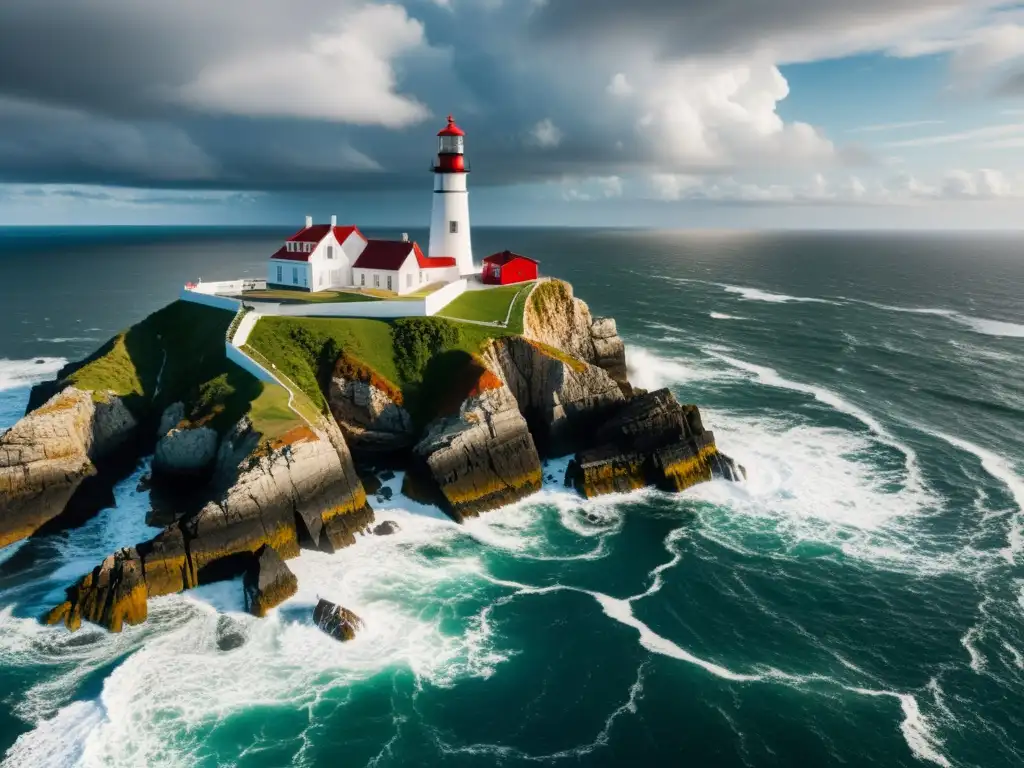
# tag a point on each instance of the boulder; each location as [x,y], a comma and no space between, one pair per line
[231,633]
[561,397]
[48,454]
[483,457]
[268,582]
[387,528]
[185,452]
[112,595]
[651,440]
[340,623]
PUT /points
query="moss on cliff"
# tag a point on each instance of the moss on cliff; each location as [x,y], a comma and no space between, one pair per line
[177,354]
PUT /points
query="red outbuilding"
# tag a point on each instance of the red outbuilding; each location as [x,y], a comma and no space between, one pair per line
[506,267]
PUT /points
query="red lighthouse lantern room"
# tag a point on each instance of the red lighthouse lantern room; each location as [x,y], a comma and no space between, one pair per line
[451,141]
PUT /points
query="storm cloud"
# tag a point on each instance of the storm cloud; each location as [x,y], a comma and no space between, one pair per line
[267,95]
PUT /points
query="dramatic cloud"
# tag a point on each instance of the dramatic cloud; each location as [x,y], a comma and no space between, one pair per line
[345,74]
[594,97]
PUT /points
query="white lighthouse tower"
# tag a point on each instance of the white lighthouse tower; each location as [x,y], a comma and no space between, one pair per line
[449,220]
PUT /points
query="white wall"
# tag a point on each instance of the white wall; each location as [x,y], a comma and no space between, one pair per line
[210,300]
[442,297]
[451,203]
[235,355]
[286,273]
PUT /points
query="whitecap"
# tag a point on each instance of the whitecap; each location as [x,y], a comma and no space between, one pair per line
[915,727]
[770,377]
[991,327]
[723,316]
[17,374]
[759,294]
[649,370]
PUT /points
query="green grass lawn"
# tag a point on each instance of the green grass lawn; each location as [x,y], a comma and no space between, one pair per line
[305,297]
[177,354]
[306,349]
[489,305]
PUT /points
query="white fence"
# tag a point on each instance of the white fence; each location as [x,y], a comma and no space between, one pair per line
[237,356]
[204,293]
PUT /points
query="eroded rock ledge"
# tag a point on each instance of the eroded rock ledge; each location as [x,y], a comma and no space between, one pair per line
[45,457]
[651,440]
[301,491]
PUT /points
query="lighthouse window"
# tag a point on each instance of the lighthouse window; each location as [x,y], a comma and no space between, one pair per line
[389,282]
[362,279]
[295,275]
[450,145]
[376,281]
[330,251]
[453,227]
[279,278]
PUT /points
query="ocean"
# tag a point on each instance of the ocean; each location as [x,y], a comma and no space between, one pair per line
[859,600]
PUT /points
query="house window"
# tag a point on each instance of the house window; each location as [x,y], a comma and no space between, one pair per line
[305,284]
[279,270]
[453,227]
[376,281]
[389,282]
[330,251]
[408,280]
[320,281]
[295,275]
[362,279]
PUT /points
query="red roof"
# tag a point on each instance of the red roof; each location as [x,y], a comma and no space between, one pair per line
[505,257]
[432,262]
[313,234]
[391,255]
[451,129]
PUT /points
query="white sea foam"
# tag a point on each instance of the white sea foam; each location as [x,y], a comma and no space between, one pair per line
[810,485]
[723,316]
[67,339]
[981,325]
[915,727]
[1001,469]
[770,377]
[649,370]
[759,294]
[17,374]
[991,327]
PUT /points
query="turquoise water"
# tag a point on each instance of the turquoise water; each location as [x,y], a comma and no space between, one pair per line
[860,600]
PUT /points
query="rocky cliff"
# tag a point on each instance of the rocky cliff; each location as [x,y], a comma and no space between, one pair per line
[298,491]
[45,457]
[651,440]
[561,397]
[482,410]
[554,317]
[483,457]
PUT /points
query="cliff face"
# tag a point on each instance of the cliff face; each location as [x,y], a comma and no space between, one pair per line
[554,317]
[562,398]
[372,423]
[46,456]
[301,490]
[483,457]
[651,440]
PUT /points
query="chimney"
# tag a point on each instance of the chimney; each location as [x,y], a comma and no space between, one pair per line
[405,237]
[334,221]
[309,222]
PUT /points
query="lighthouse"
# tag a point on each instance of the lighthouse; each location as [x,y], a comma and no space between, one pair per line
[449,219]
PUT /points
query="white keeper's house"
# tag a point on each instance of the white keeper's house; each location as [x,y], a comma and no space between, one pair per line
[323,257]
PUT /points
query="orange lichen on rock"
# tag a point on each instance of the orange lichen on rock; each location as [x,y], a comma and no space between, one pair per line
[294,435]
[354,369]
